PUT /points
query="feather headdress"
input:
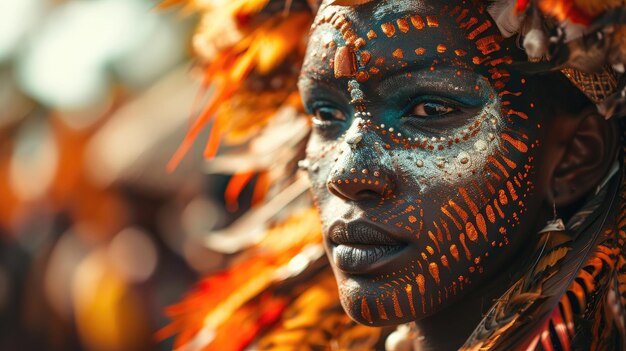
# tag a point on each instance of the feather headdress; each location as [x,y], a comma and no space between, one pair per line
[252,50]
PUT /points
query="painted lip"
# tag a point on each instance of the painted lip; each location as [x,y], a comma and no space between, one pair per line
[359,247]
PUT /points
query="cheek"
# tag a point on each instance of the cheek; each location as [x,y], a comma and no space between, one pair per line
[321,155]
[491,208]
[455,158]
[472,187]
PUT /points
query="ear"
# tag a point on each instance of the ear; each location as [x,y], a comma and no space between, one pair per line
[586,159]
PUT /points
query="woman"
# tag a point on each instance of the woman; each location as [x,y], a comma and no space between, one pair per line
[460,189]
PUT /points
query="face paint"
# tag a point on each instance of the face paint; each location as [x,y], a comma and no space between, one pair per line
[423,153]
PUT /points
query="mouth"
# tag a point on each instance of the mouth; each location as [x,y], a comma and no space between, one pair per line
[360,247]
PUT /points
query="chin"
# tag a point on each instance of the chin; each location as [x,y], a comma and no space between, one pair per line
[367,303]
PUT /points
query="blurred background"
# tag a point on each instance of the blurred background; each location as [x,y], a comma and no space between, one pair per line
[96,238]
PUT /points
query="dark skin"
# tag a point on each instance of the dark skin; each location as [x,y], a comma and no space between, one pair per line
[435,171]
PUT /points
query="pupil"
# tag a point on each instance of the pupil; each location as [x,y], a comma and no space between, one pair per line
[328,114]
[435,109]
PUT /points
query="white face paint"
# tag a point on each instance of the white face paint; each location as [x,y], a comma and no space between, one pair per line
[467,159]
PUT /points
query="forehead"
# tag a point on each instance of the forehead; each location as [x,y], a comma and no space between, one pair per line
[392,35]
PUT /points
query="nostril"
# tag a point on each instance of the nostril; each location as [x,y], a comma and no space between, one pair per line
[332,187]
[367,194]
[354,191]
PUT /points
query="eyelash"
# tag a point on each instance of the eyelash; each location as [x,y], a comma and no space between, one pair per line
[321,122]
[453,106]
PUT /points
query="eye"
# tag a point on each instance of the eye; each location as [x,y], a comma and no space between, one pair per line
[432,109]
[327,114]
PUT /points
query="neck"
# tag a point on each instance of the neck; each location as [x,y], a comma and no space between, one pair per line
[450,328]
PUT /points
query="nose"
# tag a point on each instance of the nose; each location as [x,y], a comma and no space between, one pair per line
[361,172]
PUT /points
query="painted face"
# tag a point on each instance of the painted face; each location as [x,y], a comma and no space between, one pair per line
[422,154]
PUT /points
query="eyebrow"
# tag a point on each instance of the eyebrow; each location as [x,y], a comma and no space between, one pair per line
[325,80]
[398,78]
[319,84]
[391,78]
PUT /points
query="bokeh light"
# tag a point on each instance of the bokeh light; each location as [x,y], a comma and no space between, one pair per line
[96,238]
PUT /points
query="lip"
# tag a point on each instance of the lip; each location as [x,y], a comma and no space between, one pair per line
[359,247]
